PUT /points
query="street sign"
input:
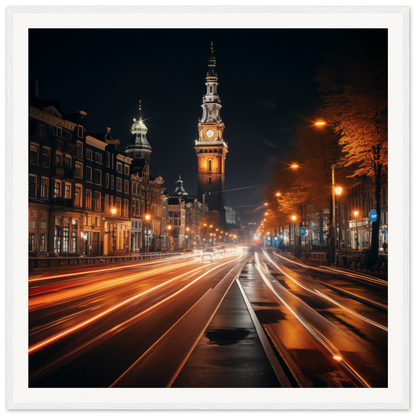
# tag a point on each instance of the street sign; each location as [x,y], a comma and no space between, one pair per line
[372,215]
[303,232]
[383,232]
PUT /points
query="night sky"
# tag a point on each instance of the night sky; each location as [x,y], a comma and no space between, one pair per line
[265,85]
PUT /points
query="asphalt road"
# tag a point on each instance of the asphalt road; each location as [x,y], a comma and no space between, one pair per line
[85,330]
[163,324]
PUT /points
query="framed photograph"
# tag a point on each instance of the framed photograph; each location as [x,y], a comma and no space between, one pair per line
[155,277]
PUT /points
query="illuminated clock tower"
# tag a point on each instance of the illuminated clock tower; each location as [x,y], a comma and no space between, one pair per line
[210,147]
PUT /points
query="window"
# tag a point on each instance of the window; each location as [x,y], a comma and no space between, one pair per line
[119,167]
[137,207]
[107,160]
[57,131]
[209,165]
[32,225]
[57,240]
[112,181]
[118,184]
[44,185]
[78,169]
[126,169]
[42,243]
[78,195]
[125,208]
[88,173]
[80,131]
[133,207]
[209,180]
[57,189]
[97,201]
[106,204]
[98,157]
[88,154]
[97,177]
[65,239]
[32,186]
[133,188]
[67,191]
[42,226]
[126,186]
[88,198]
[46,157]
[67,162]
[74,236]
[33,153]
[118,204]
[112,161]
[66,135]
[107,180]
[79,150]
[31,241]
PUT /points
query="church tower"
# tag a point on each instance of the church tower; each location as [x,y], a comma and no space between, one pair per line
[210,147]
[139,147]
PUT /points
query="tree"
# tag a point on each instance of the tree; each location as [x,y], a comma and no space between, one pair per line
[354,82]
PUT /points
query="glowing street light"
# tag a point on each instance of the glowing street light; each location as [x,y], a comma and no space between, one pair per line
[320,123]
[356,213]
[266,203]
[113,212]
[278,194]
[294,166]
[338,190]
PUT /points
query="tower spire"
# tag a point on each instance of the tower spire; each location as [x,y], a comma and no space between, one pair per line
[140,109]
[212,48]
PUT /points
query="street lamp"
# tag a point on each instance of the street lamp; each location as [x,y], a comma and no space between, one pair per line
[338,191]
[356,213]
[113,212]
[294,237]
[169,227]
[278,194]
[146,245]
[187,236]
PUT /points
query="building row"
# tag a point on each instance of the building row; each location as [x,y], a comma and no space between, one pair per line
[86,197]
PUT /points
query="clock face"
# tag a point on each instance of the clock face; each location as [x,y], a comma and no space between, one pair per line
[209,133]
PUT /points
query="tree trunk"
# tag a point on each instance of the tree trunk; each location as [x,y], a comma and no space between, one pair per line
[376,224]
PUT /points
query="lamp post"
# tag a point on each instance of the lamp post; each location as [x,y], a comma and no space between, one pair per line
[146,245]
[294,238]
[169,227]
[356,229]
[338,191]
[113,212]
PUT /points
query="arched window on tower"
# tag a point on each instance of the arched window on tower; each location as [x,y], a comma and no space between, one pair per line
[210,151]
[210,89]
[209,165]
[215,150]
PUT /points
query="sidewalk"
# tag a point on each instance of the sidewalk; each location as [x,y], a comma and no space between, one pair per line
[229,354]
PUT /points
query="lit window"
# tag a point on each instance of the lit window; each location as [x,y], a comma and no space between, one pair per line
[67,191]
[44,185]
[78,196]
[97,201]
[57,189]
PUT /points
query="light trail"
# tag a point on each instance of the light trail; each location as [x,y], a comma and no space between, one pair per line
[119,327]
[330,348]
[62,334]
[106,269]
[326,297]
[330,270]
[38,300]
[174,294]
